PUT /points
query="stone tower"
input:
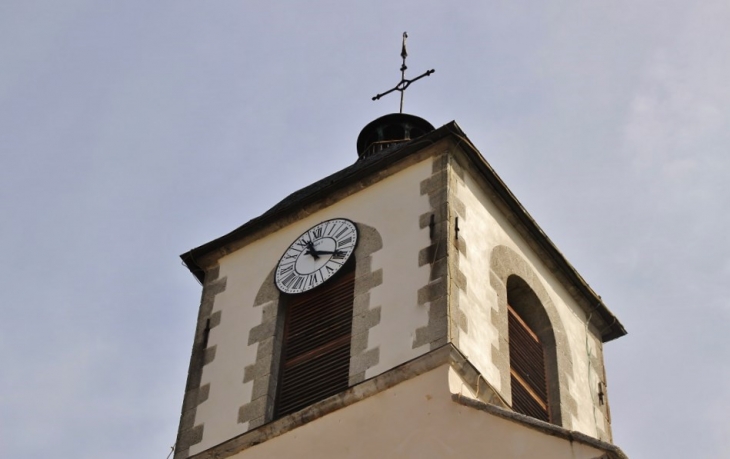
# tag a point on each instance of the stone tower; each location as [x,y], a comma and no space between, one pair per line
[405,306]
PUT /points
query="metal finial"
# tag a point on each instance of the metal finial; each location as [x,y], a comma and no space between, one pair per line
[403,52]
[404,83]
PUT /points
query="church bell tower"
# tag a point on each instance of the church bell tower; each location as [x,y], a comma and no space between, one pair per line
[405,306]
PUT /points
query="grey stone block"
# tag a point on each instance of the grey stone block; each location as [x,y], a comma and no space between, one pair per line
[439,203]
[461,320]
[458,206]
[209,355]
[459,279]
[358,344]
[258,422]
[260,386]
[360,363]
[262,331]
[500,360]
[190,400]
[215,319]
[369,241]
[356,378]
[364,265]
[187,420]
[432,253]
[440,162]
[426,255]
[432,291]
[438,308]
[424,220]
[368,281]
[215,287]
[261,368]
[363,322]
[437,181]
[191,437]
[266,347]
[439,268]
[458,171]
[268,291]
[252,410]
[569,408]
[461,245]
[249,373]
[269,311]
[212,273]
[361,303]
[203,393]
[435,330]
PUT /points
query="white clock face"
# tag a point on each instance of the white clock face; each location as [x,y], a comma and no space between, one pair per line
[316,255]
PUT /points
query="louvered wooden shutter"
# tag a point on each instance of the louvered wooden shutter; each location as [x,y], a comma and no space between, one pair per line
[316,349]
[527,370]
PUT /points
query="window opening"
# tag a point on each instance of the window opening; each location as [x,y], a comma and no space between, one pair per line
[527,369]
[316,345]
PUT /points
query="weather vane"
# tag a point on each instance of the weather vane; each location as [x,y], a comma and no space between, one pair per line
[404,83]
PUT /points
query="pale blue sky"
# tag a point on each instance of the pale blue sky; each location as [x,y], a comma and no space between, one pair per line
[133,131]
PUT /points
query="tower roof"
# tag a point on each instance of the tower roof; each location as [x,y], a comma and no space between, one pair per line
[379,160]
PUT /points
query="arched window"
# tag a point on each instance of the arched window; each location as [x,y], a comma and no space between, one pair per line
[315,355]
[532,354]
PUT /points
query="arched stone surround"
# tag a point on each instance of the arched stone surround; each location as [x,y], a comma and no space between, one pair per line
[504,263]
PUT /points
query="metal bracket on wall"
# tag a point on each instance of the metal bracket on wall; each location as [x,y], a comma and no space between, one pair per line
[600,393]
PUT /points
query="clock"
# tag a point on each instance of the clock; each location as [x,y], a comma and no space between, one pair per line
[315,256]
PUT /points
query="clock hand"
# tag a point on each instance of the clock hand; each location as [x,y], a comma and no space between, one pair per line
[312,251]
[328,252]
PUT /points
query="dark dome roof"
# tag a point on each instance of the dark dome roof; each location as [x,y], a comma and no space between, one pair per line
[389,130]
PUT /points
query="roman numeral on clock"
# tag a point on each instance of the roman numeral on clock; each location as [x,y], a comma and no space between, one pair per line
[344,230]
[288,280]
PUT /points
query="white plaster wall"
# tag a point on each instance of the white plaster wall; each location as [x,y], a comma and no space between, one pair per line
[392,206]
[245,271]
[416,419]
[481,232]
[484,228]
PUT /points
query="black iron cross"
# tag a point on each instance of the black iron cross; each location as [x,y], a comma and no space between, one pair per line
[404,83]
